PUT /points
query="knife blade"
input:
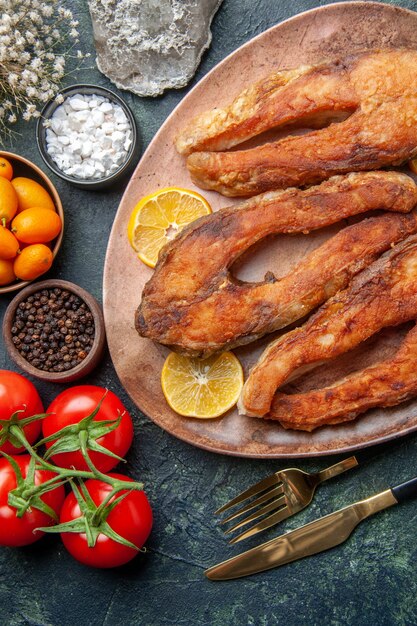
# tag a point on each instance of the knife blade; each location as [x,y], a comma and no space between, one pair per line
[317,536]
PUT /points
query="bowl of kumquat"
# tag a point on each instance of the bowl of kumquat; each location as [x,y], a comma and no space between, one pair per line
[31,222]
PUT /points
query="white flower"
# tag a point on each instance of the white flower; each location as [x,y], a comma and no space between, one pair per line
[6,20]
[36,63]
[46,10]
[36,46]
[65,13]
[59,62]
[31,92]
[19,41]
[13,79]
[13,54]
[35,17]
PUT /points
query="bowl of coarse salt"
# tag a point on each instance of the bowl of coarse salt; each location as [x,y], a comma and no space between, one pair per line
[87,135]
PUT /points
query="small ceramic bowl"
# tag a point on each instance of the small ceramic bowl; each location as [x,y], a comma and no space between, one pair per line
[92,184]
[24,167]
[97,349]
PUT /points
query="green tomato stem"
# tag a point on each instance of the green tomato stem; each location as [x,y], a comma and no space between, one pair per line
[64,473]
[117,484]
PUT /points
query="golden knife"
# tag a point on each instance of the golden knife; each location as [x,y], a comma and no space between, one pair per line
[322,534]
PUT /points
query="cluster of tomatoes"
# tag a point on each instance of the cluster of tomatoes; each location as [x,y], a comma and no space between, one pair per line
[106,517]
[28,224]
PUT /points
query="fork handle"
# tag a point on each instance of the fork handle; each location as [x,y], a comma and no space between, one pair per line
[335,470]
[360,457]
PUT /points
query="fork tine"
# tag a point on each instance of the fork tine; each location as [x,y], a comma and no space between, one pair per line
[268,508]
[271,493]
[252,491]
[269,521]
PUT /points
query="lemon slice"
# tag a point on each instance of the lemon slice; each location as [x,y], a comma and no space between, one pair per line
[159,217]
[202,387]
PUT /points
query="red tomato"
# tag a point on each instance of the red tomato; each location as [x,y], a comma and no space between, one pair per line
[76,403]
[131,518]
[15,531]
[17,393]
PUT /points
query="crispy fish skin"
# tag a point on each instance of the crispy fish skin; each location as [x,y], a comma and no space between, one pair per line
[239,313]
[270,103]
[384,294]
[378,88]
[384,384]
[199,308]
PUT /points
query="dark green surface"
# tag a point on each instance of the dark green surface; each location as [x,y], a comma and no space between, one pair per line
[369,580]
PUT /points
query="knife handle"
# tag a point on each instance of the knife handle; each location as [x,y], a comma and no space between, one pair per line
[405,491]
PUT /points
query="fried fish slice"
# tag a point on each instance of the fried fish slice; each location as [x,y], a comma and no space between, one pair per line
[270,103]
[195,306]
[384,384]
[376,89]
[384,294]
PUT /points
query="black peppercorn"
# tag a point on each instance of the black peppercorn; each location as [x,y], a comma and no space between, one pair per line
[53,330]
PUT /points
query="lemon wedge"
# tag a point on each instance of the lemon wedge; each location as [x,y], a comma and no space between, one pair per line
[202,388]
[159,217]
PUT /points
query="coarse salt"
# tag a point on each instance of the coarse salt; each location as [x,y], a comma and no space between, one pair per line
[88,137]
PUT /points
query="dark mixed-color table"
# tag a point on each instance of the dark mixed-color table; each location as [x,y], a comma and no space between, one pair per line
[369,580]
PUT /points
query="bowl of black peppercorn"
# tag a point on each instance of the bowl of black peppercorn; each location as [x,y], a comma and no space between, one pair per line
[54,330]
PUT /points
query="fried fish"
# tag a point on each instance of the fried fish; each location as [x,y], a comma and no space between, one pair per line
[384,384]
[384,294]
[194,305]
[372,95]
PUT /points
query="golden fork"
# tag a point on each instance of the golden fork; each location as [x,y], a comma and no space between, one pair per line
[281,495]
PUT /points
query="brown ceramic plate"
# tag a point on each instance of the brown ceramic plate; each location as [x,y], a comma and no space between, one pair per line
[330,31]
